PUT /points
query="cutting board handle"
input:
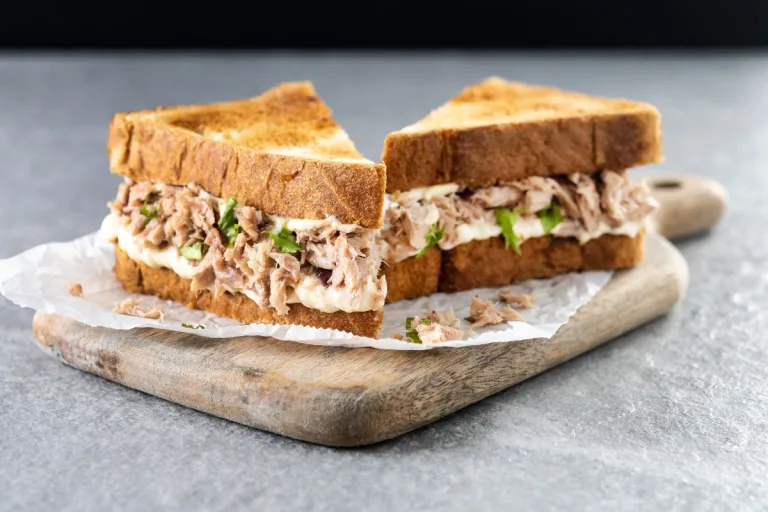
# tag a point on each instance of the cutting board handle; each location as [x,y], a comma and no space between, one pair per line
[688,204]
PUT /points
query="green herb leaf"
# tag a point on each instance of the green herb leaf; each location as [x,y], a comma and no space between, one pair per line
[193,252]
[147,213]
[506,219]
[413,336]
[286,240]
[411,332]
[432,237]
[550,217]
[190,326]
[228,222]
[232,236]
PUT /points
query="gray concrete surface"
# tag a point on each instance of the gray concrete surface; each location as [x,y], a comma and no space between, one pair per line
[673,416]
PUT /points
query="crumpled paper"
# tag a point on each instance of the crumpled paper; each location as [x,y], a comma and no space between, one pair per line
[38,278]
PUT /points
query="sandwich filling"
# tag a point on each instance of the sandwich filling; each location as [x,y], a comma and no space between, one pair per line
[577,205]
[222,246]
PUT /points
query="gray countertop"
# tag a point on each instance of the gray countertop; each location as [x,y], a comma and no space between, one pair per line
[673,416]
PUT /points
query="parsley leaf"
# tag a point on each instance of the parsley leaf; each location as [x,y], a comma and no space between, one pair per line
[506,219]
[432,237]
[228,222]
[190,326]
[193,252]
[147,213]
[550,217]
[411,332]
[286,240]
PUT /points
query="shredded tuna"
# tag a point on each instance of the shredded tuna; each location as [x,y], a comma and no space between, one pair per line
[447,318]
[249,219]
[435,332]
[521,300]
[161,216]
[133,307]
[406,226]
[352,256]
[536,200]
[621,201]
[137,222]
[454,212]
[235,255]
[204,278]
[75,289]
[122,195]
[612,197]
[587,203]
[483,312]
[587,199]
[139,194]
[229,264]
[321,255]
[281,280]
[258,257]
[155,233]
[496,197]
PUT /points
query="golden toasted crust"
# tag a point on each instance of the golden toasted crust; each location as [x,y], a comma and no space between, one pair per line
[487,263]
[281,152]
[162,282]
[413,277]
[500,131]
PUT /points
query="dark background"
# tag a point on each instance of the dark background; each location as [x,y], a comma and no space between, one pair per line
[393,24]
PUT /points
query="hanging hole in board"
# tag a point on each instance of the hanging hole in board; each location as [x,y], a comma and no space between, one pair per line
[667,184]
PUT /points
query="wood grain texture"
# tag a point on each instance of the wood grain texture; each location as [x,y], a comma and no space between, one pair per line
[350,397]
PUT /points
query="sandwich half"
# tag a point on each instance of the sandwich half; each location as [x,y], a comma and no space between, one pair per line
[261,210]
[509,181]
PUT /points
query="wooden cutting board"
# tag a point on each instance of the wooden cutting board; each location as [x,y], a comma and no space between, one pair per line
[350,397]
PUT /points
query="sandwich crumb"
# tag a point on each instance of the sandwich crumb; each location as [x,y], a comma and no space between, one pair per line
[398,336]
[483,312]
[447,318]
[428,331]
[75,289]
[132,307]
[521,300]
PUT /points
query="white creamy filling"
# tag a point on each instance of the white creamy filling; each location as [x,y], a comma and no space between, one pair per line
[433,215]
[309,292]
[290,224]
[481,229]
[313,294]
[426,193]
[308,224]
[478,230]
[531,227]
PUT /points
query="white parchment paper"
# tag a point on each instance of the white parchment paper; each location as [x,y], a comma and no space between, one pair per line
[38,277]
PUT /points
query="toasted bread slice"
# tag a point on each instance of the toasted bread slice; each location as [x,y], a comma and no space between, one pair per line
[413,277]
[488,263]
[281,152]
[162,282]
[499,131]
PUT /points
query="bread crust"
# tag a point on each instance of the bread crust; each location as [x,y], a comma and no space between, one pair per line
[162,282]
[165,146]
[483,263]
[605,134]
[413,277]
